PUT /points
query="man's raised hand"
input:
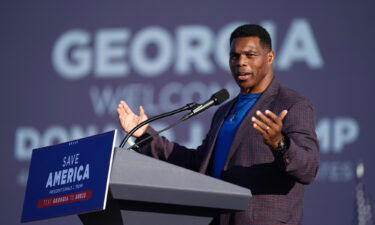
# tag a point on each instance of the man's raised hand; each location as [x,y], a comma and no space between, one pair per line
[269,125]
[128,120]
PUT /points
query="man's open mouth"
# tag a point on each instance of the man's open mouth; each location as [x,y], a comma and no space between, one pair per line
[243,76]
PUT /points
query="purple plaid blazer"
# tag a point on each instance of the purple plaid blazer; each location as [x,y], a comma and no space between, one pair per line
[275,179]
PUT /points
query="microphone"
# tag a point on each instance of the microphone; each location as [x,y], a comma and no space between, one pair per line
[130,133]
[216,99]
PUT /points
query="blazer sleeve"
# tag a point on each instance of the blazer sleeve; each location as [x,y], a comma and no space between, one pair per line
[163,149]
[301,159]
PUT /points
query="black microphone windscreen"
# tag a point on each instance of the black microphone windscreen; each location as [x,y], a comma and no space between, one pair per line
[220,96]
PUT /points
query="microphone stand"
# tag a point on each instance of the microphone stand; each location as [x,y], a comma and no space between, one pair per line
[183,118]
[189,106]
[136,145]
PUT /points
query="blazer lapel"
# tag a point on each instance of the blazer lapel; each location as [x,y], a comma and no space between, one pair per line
[216,128]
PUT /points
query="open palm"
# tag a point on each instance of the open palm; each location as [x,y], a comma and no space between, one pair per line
[128,120]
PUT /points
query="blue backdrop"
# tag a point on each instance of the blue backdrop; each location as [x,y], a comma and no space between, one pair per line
[65,65]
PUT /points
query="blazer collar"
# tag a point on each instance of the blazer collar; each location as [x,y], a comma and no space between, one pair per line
[271,90]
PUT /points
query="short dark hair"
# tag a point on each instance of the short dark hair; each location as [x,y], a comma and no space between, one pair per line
[252,30]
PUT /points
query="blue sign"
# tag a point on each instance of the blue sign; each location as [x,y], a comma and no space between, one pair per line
[69,178]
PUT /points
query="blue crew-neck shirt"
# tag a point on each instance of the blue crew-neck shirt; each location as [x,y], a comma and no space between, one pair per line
[228,130]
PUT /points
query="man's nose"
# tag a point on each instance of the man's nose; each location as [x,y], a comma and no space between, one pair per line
[241,60]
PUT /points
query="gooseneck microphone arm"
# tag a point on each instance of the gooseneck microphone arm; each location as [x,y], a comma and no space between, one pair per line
[216,99]
[135,146]
[189,106]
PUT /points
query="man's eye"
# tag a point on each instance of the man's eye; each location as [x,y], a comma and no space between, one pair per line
[250,54]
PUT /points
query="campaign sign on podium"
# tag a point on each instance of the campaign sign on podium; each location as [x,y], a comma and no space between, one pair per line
[69,178]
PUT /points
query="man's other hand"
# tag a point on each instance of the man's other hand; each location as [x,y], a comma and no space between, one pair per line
[270,126]
[128,120]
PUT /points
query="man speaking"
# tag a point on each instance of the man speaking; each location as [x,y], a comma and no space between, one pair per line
[264,139]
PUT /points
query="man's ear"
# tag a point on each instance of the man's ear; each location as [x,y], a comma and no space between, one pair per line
[271,57]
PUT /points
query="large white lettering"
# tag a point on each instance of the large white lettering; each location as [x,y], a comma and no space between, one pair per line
[194,48]
[151,66]
[299,46]
[28,138]
[153,50]
[335,134]
[170,96]
[110,55]
[78,63]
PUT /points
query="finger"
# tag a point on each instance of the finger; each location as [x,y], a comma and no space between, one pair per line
[274,117]
[260,124]
[141,110]
[260,130]
[266,120]
[121,117]
[142,113]
[119,111]
[126,107]
[283,114]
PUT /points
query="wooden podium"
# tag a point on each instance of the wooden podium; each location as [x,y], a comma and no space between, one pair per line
[147,191]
